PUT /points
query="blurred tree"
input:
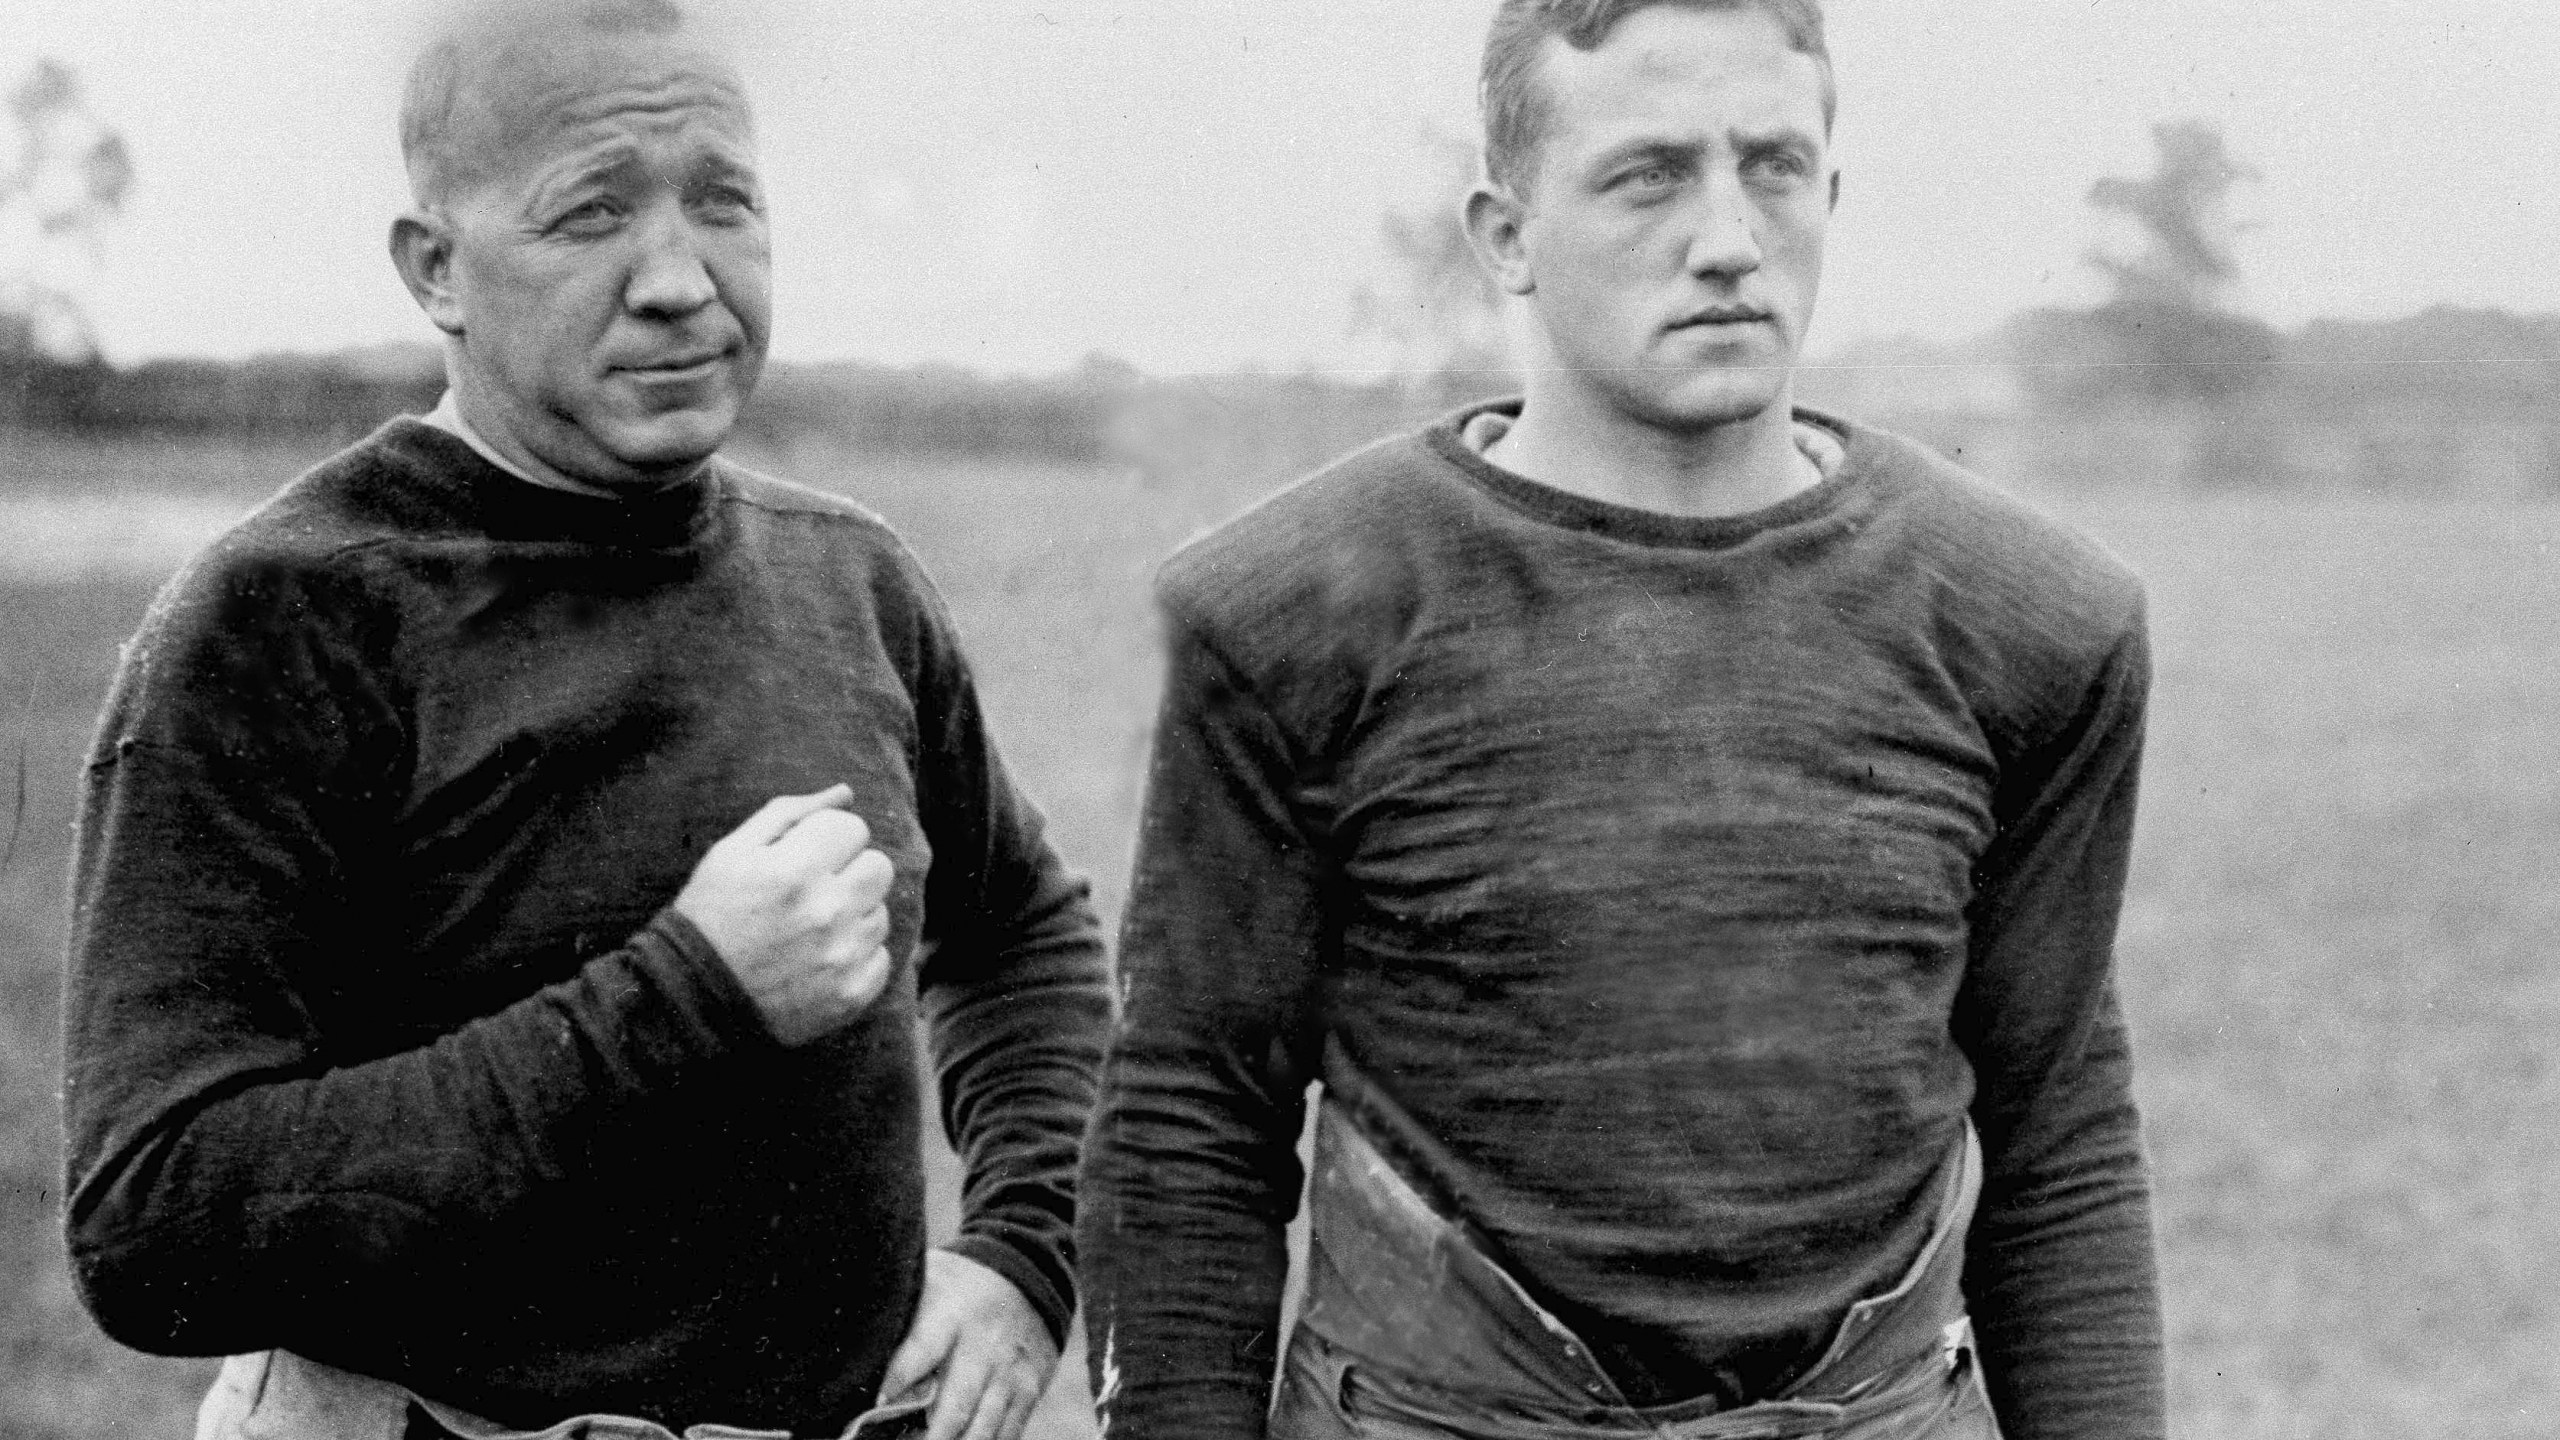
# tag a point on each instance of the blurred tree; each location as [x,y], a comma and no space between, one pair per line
[1440,316]
[2185,220]
[2164,333]
[64,175]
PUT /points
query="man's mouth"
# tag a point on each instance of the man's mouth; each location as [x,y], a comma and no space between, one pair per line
[686,366]
[1723,315]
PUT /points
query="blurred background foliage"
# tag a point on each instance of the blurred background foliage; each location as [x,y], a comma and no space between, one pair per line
[63,178]
[2160,386]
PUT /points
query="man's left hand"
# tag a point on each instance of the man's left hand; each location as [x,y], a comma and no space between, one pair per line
[980,1344]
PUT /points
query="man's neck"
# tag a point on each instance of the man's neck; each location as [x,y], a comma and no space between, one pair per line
[1730,469]
[447,417]
[461,414]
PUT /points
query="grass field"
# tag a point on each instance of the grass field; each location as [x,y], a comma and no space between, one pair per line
[2338,954]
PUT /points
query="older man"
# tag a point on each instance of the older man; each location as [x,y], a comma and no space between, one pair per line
[513,860]
[1673,825]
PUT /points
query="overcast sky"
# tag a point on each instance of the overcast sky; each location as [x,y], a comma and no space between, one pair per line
[1196,185]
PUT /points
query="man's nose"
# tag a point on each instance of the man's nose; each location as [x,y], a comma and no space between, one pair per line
[669,277]
[1724,238]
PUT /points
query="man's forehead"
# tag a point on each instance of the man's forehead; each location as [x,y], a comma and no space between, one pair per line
[1661,57]
[531,86]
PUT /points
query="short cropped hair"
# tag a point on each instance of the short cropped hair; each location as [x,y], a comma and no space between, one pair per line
[1515,100]
[435,80]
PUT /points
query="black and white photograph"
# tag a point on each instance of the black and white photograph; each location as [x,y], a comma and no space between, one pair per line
[1205,720]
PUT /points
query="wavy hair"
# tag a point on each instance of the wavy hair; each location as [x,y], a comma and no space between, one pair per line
[1515,102]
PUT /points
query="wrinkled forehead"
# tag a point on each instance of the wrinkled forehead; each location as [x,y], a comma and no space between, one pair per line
[533,86]
[521,94]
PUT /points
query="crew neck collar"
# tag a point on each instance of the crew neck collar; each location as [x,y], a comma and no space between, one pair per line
[503,504]
[448,417]
[1841,478]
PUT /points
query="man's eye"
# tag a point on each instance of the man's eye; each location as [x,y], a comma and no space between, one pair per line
[1780,165]
[592,217]
[1650,177]
[725,202]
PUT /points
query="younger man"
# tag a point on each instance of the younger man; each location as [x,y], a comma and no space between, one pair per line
[1684,833]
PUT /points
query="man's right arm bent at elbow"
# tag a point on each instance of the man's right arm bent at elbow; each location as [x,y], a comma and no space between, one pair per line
[233,1185]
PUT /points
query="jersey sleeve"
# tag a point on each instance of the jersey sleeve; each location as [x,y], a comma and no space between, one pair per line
[2061,1274]
[1014,986]
[232,1185]
[1191,1173]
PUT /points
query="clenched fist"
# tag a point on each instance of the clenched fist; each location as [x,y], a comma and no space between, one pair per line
[794,901]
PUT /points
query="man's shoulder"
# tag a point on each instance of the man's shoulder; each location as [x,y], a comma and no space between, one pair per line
[2031,617]
[315,527]
[1997,553]
[286,595]
[773,495]
[1325,549]
[802,527]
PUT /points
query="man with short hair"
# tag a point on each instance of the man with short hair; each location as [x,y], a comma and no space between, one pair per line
[1684,834]
[514,859]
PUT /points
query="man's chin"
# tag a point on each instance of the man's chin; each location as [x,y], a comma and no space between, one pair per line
[1728,399]
[669,446]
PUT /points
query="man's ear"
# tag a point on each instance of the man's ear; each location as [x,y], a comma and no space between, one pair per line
[1494,218]
[422,251]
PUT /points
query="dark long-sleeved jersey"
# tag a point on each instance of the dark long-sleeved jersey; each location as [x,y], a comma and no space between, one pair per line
[383,1046]
[1679,886]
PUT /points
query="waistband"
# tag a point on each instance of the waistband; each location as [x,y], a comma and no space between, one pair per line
[279,1395]
[1405,1293]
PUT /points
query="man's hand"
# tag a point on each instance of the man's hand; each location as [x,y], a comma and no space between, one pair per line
[983,1347]
[793,901]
